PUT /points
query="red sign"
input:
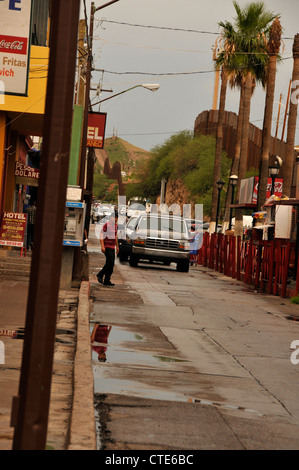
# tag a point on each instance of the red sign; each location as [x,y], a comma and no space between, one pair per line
[96,130]
[13,44]
[12,229]
[278,184]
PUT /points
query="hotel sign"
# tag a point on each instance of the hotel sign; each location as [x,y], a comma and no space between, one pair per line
[12,230]
[15,46]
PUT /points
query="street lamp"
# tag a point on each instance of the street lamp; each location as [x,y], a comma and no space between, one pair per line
[233,179]
[148,86]
[273,172]
[220,185]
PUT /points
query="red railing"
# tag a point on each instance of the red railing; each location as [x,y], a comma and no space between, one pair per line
[268,266]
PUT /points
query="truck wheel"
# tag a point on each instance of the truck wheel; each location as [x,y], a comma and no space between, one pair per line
[183,266]
[123,257]
[133,261]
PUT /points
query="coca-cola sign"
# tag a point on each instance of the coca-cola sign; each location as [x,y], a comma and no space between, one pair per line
[13,44]
[278,186]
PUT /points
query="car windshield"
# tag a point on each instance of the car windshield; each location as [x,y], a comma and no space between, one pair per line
[132,222]
[163,224]
[137,207]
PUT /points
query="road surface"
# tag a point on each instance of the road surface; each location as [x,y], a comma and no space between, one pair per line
[192,361]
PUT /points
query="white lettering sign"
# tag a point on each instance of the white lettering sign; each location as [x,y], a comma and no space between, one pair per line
[15,45]
[2,353]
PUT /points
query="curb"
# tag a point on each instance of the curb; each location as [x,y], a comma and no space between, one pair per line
[83,427]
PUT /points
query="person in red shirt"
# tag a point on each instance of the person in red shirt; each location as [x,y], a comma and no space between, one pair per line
[99,340]
[109,242]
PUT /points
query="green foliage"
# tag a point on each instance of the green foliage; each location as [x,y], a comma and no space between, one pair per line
[116,151]
[252,172]
[244,46]
[102,187]
[190,159]
[295,300]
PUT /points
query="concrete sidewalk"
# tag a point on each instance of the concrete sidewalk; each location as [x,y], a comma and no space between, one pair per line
[71,422]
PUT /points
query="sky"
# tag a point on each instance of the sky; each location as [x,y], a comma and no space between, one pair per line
[179,61]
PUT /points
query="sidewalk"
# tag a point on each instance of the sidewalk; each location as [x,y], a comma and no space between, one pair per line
[71,420]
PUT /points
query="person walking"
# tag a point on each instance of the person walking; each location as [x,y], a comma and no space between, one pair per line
[109,242]
[31,214]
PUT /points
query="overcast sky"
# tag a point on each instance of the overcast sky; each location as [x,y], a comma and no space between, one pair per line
[146,119]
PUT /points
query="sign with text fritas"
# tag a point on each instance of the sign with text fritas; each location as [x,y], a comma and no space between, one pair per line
[12,230]
[96,130]
[15,46]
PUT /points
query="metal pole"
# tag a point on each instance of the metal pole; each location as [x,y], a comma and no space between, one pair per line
[217,215]
[117,94]
[31,407]
[272,184]
[87,107]
[231,209]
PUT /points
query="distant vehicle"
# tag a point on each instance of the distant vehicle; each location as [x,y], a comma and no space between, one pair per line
[136,209]
[163,238]
[197,224]
[206,226]
[100,211]
[122,210]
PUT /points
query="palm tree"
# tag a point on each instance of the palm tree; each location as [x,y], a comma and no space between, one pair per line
[273,50]
[289,156]
[218,150]
[236,156]
[245,56]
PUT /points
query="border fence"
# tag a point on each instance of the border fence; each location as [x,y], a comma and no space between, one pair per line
[269,266]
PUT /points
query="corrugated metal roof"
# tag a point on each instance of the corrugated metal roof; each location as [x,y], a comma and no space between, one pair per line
[40,15]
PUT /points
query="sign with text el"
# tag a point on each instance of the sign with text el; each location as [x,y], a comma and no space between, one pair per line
[96,130]
[15,45]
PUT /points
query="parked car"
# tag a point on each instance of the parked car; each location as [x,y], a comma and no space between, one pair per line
[135,209]
[162,238]
[100,211]
[122,210]
[197,224]
[206,227]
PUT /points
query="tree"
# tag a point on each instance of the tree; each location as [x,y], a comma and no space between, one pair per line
[289,156]
[218,149]
[273,50]
[183,160]
[245,53]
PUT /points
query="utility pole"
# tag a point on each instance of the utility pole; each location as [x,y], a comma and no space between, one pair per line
[87,108]
[31,407]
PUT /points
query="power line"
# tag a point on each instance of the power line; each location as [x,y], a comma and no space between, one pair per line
[165,28]
[158,27]
[194,72]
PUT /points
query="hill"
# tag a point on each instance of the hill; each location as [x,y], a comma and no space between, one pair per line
[128,155]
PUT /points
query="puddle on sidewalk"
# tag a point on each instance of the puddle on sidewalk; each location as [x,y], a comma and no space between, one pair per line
[113,347]
[109,345]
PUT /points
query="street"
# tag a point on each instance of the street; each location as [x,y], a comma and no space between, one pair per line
[193,361]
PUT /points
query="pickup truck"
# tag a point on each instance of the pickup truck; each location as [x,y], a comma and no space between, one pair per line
[163,238]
